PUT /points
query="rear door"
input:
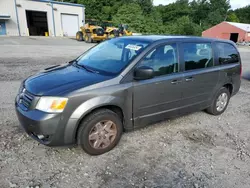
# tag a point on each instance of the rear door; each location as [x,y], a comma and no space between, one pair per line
[158,98]
[228,59]
[200,75]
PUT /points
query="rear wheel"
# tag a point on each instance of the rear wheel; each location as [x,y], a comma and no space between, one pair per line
[100,132]
[79,36]
[220,102]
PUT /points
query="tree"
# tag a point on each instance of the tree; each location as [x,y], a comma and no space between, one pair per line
[185,26]
[154,23]
[243,14]
[208,13]
[146,6]
[180,17]
[132,15]
[200,11]
[218,11]
[232,17]
[215,18]
[174,11]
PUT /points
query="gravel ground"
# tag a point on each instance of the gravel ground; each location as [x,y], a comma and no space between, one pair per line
[197,150]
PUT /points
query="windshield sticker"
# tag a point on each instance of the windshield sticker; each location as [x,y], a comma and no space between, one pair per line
[133,47]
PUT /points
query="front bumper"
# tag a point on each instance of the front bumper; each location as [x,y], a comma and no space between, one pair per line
[46,128]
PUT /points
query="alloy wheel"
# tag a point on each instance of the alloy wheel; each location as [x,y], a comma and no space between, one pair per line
[102,134]
[221,102]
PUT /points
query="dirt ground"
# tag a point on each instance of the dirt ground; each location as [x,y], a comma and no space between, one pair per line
[197,150]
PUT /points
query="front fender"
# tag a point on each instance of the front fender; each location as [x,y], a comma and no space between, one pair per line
[94,103]
[83,110]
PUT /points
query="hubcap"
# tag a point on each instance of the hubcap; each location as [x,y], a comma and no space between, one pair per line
[102,134]
[221,102]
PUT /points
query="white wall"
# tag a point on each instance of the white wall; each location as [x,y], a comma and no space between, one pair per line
[8,7]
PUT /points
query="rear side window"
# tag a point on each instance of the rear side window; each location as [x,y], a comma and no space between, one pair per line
[227,53]
[197,55]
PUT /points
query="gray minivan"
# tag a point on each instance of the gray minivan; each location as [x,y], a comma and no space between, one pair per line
[126,83]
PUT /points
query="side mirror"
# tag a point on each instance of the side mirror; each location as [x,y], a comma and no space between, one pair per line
[143,73]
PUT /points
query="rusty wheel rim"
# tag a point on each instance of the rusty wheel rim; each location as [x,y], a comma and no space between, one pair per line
[103,134]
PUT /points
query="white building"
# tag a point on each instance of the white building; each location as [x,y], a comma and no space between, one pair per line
[40,17]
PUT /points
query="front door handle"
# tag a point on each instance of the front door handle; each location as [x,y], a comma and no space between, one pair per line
[176,81]
[189,79]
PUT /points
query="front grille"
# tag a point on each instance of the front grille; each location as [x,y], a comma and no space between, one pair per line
[25,99]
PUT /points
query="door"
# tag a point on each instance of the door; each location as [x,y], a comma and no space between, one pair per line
[200,76]
[234,37]
[2,28]
[37,23]
[158,98]
[70,24]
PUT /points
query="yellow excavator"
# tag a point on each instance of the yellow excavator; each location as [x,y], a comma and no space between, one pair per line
[112,31]
[91,32]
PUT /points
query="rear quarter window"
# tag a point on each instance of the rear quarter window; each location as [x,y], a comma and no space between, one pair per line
[227,53]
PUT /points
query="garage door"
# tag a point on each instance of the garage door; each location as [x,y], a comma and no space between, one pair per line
[70,24]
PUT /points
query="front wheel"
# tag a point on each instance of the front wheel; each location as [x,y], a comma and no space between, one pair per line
[220,102]
[100,132]
[79,36]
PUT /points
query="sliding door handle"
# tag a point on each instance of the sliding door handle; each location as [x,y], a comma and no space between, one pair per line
[176,81]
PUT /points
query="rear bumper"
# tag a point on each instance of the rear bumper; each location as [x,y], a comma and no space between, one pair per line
[48,129]
[236,87]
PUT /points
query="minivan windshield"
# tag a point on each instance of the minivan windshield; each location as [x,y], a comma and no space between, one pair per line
[112,56]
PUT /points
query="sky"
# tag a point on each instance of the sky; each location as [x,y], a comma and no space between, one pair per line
[234,3]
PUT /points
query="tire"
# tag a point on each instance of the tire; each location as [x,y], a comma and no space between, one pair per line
[88,38]
[88,128]
[214,108]
[79,36]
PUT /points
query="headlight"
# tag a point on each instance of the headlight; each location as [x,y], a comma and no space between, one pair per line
[52,104]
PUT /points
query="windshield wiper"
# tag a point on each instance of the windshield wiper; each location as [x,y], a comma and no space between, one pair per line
[86,68]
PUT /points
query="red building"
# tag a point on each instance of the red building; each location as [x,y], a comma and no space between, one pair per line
[237,32]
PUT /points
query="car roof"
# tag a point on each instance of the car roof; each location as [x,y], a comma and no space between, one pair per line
[154,38]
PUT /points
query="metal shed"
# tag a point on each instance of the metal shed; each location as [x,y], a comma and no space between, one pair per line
[40,18]
[237,32]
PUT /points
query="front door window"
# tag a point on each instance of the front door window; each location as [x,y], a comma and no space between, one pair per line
[163,59]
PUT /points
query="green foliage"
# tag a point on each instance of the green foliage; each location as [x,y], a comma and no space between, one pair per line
[181,17]
[175,10]
[243,14]
[132,15]
[232,17]
[185,26]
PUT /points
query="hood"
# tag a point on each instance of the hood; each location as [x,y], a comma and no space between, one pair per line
[59,80]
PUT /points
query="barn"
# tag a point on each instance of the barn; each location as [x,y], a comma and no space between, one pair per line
[40,18]
[237,32]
